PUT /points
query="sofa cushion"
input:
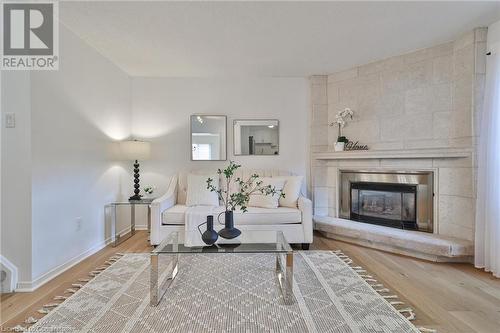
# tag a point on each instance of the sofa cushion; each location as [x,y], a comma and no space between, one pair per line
[267,216]
[242,173]
[198,193]
[174,215]
[254,216]
[259,199]
[292,187]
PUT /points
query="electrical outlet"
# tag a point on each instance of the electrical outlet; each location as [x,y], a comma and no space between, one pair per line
[10,120]
[79,223]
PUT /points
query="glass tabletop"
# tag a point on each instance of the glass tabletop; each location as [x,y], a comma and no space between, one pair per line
[250,241]
[131,202]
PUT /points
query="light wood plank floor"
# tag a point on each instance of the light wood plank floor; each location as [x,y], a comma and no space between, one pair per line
[453,298]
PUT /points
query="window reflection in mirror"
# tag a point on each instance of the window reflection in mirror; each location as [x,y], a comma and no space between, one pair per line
[208,138]
[256,137]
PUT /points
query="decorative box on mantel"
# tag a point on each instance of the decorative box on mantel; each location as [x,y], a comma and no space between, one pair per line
[451,172]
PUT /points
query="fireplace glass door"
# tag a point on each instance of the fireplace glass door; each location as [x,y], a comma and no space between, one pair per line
[385,204]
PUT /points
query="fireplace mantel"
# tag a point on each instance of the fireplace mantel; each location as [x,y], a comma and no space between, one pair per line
[395,154]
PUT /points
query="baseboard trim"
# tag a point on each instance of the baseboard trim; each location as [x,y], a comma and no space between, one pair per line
[29,286]
[7,264]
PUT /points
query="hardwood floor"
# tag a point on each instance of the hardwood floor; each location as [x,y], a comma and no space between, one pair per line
[16,307]
[452,298]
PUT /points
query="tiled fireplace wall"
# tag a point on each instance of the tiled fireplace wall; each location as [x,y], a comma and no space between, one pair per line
[430,98]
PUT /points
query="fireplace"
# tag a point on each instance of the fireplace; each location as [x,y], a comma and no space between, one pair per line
[394,199]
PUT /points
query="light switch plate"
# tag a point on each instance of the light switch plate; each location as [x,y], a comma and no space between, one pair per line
[10,120]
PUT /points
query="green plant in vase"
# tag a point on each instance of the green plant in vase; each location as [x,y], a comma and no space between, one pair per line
[237,199]
[149,190]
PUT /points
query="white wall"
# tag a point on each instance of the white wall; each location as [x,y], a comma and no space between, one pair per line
[161,108]
[76,112]
[56,169]
[494,36]
[16,173]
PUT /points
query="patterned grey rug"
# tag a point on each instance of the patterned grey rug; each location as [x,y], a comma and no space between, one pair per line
[228,293]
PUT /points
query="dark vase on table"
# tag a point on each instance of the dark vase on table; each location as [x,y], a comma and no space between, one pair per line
[229,231]
[210,236]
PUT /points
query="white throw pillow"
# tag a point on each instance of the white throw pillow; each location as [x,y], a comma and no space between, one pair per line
[267,201]
[293,185]
[197,192]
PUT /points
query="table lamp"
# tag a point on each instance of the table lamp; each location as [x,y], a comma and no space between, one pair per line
[135,150]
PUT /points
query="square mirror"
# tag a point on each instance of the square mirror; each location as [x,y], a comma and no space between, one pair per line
[208,138]
[256,137]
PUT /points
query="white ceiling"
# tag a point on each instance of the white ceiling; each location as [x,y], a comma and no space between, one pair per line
[186,39]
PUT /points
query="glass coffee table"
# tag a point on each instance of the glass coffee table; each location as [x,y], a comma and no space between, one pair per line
[250,241]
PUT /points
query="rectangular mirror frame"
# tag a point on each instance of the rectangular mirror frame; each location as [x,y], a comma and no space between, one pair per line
[250,119]
[191,136]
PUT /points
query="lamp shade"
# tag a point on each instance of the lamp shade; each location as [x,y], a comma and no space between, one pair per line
[135,150]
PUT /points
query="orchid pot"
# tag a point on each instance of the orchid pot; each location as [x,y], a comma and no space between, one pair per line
[339,146]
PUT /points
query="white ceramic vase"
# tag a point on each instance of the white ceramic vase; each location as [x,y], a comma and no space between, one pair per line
[339,146]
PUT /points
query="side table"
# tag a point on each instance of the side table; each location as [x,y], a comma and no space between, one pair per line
[117,237]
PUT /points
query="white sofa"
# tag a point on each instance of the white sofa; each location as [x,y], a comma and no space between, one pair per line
[168,213]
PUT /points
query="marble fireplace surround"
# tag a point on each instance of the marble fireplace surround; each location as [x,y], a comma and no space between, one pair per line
[415,111]
[438,246]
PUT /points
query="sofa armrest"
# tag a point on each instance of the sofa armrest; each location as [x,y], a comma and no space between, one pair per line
[158,206]
[305,206]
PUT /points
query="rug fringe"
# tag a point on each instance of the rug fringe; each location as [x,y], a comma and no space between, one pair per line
[46,308]
[390,296]
[364,276]
[50,305]
[19,328]
[382,290]
[408,313]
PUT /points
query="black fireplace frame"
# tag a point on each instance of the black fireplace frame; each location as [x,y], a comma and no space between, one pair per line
[385,187]
[422,179]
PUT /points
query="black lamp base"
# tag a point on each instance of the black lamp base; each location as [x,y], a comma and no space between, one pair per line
[137,186]
[135,197]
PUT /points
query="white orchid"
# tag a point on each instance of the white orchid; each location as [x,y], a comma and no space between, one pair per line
[340,118]
[341,121]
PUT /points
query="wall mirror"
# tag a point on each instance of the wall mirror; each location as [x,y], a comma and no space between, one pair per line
[208,138]
[256,137]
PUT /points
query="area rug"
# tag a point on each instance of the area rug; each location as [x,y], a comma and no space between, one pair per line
[228,293]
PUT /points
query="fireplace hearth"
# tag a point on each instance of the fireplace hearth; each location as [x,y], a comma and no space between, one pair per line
[394,199]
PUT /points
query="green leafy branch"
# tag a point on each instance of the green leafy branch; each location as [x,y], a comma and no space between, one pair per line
[247,187]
